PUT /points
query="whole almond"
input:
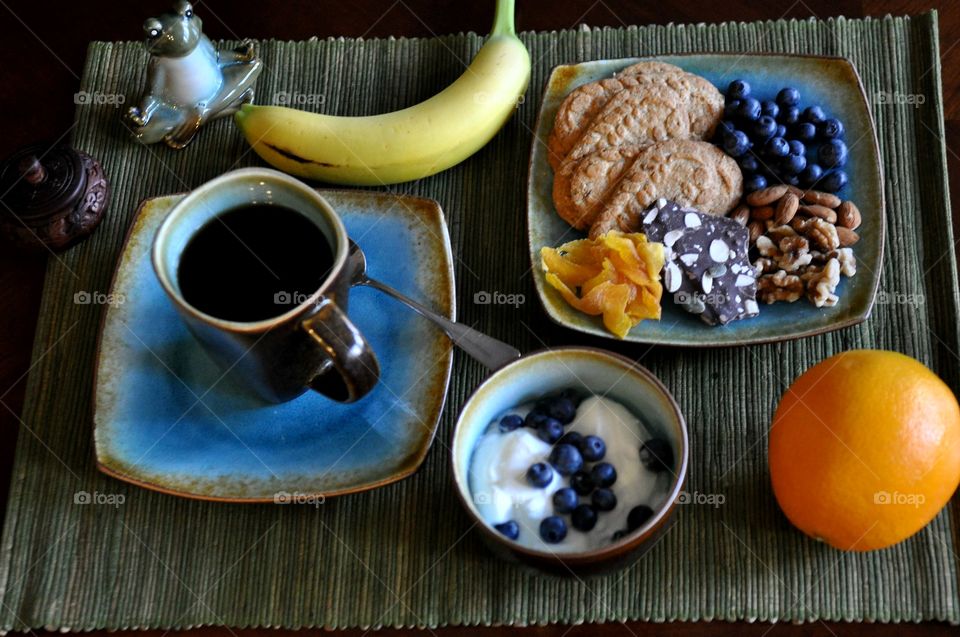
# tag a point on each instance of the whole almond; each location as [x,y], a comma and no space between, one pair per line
[823,212]
[797,191]
[762,213]
[848,215]
[756,229]
[847,236]
[821,198]
[786,209]
[741,214]
[766,196]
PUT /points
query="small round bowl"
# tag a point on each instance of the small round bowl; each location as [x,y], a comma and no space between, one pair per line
[591,370]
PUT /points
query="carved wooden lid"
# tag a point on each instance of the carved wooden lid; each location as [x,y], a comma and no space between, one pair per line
[52,195]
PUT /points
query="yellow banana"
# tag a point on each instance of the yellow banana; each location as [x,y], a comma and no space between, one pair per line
[407,144]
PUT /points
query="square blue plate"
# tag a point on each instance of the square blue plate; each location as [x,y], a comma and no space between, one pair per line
[831,82]
[166,419]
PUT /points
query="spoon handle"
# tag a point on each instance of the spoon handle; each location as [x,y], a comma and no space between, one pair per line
[490,352]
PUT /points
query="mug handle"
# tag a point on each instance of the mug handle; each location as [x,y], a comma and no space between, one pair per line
[355,367]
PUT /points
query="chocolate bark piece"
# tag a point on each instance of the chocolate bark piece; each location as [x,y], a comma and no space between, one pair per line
[707,267]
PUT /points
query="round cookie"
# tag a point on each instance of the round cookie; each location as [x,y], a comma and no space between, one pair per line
[577,111]
[693,173]
[580,187]
[649,112]
[650,66]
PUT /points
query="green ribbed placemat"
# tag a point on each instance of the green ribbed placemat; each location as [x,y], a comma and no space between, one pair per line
[403,555]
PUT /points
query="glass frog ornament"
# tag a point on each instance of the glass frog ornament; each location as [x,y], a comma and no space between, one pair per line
[189,81]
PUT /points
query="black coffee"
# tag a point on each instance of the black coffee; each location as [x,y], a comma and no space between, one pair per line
[253,263]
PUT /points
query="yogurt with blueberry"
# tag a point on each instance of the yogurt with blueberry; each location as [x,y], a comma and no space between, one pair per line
[567,476]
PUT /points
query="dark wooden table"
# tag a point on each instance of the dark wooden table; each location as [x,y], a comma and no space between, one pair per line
[43,49]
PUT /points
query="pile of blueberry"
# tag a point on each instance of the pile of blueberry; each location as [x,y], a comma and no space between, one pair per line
[775,141]
[580,459]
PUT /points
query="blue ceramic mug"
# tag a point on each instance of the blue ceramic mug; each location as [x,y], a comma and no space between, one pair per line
[314,345]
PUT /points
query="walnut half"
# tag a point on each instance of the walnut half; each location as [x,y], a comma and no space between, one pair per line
[822,233]
[822,284]
[779,286]
[848,262]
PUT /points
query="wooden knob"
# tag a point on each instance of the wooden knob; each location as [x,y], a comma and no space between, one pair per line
[32,170]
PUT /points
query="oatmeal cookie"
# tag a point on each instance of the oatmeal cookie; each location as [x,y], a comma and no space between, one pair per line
[702,101]
[693,173]
[581,187]
[639,116]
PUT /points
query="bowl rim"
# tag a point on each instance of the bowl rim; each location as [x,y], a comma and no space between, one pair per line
[630,541]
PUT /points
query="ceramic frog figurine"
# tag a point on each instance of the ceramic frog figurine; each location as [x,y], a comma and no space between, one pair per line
[190,82]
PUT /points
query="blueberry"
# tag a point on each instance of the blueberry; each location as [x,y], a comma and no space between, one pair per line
[566,459]
[765,128]
[811,175]
[749,109]
[553,529]
[769,107]
[749,163]
[754,182]
[777,147]
[813,114]
[788,96]
[593,448]
[725,128]
[834,181]
[539,474]
[789,115]
[831,128]
[618,535]
[738,90]
[564,500]
[656,455]
[638,516]
[581,482]
[805,131]
[509,528]
[797,147]
[731,108]
[510,422]
[571,438]
[736,143]
[793,164]
[534,418]
[832,154]
[572,395]
[603,500]
[562,409]
[550,430]
[781,131]
[584,518]
[790,180]
[603,474]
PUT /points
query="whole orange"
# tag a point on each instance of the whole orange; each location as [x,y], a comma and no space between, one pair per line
[865,449]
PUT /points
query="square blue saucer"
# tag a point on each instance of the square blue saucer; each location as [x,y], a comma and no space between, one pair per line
[166,418]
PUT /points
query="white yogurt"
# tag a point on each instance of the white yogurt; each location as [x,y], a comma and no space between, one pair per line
[500,490]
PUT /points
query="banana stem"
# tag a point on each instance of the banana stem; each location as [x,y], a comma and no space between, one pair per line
[503,19]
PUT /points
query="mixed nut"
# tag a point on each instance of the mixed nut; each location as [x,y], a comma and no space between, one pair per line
[800,242]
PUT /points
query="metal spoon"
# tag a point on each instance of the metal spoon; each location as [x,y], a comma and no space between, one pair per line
[490,352]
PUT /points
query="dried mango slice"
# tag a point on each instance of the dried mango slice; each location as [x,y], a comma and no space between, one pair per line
[616,275]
